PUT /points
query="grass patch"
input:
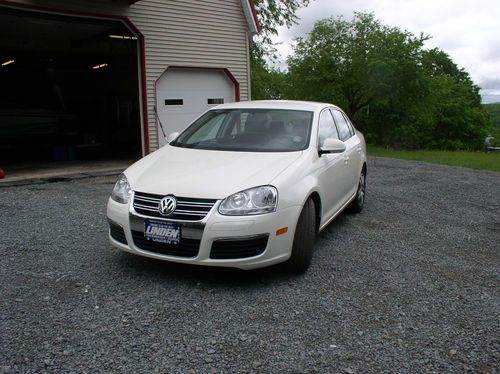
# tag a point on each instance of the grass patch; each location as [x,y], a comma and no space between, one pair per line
[473,160]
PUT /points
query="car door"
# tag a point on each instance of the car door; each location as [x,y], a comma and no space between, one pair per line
[332,170]
[352,155]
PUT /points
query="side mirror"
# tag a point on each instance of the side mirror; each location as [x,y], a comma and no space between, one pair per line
[332,145]
[171,137]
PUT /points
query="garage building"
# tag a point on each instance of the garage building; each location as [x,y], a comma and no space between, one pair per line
[94,79]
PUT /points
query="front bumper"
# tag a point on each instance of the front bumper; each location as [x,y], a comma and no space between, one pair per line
[213,228]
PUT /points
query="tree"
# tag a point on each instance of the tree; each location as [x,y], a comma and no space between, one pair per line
[273,14]
[397,92]
[266,83]
[459,119]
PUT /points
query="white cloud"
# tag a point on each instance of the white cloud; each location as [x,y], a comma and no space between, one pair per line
[467,30]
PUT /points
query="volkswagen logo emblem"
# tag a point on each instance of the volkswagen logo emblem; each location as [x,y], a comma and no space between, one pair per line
[167,205]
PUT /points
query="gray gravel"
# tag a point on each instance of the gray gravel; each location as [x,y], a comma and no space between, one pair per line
[409,285]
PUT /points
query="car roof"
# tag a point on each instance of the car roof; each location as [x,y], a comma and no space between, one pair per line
[275,104]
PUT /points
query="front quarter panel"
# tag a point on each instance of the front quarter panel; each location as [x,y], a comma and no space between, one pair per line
[297,184]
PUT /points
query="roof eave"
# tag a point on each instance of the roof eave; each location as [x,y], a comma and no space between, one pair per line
[251,16]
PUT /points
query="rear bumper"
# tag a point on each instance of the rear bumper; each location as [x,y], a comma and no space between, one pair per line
[225,231]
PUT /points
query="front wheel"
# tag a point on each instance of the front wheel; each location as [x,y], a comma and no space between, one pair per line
[357,204]
[303,241]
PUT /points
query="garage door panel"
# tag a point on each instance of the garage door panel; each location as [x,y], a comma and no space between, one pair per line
[184,94]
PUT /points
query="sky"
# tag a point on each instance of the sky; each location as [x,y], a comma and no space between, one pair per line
[468,31]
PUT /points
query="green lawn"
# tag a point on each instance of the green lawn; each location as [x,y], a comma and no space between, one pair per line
[473,160]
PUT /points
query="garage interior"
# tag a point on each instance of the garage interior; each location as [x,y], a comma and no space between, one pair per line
[69,90]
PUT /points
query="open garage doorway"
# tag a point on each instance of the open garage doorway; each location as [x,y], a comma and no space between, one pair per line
[69,88]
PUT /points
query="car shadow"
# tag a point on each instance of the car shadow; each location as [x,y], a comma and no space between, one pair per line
[153,269]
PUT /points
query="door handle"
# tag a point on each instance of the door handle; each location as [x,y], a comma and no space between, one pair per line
[359,150]
[346,159]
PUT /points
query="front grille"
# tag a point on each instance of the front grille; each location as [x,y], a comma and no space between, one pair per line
[188,209]
[185,248]
[117,232]
[223,249]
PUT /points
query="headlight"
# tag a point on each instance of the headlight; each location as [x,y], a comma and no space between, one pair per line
[121,191]
[257,200]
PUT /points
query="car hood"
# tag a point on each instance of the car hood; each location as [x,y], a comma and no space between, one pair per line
[205,173]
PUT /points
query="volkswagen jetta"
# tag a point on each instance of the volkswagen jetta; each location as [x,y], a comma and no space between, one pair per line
[246,185]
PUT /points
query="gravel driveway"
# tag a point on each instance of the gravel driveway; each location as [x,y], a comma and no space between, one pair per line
[409,285]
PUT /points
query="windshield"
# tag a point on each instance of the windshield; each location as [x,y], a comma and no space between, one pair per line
[251,130]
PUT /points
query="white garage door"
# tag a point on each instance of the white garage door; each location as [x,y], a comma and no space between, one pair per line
[183,94]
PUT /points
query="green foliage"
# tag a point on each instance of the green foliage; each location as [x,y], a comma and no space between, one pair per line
[267,83]
[397,92]
[474,160]
[494,113]
[273,14]
[460,121]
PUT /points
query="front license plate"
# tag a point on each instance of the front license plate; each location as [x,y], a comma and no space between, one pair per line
[163,232]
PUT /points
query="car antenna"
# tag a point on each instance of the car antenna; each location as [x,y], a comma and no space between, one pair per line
[158,119]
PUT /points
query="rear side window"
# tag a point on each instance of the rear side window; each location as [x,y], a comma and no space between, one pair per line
[351,127]
[344,130]
[327,127]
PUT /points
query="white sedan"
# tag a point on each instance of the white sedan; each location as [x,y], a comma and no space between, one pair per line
[246,185]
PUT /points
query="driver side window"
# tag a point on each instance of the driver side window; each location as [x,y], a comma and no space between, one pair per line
[327,128]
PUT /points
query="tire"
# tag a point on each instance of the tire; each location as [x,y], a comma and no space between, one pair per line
[357,204]
[303,241]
